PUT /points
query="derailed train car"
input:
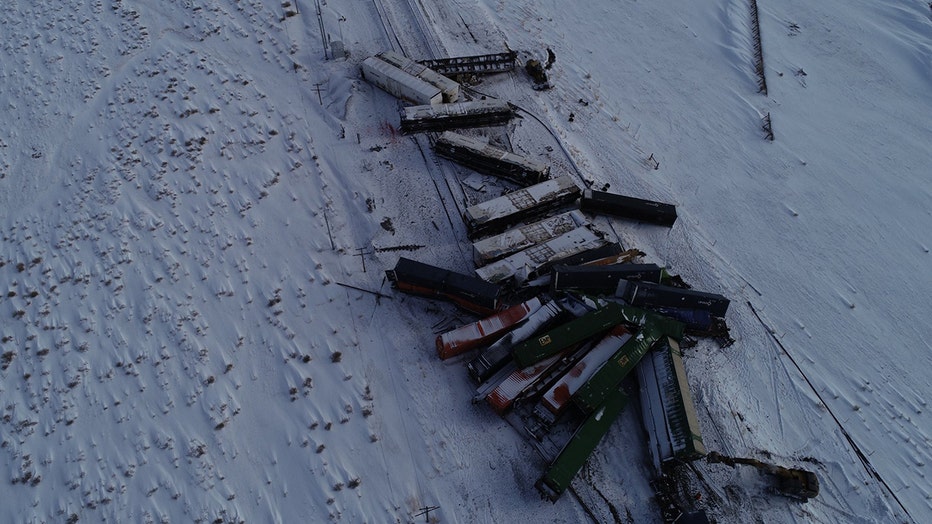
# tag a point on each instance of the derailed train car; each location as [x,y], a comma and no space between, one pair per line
[667,406]
[448,88]
[559,474]
[399,83]
[441,117]
[519,238]
[602,279]
[601,398]
[520,381]
[650,295]
[564,336]
[469,292]
[628,207]
[494,357]
[556,399]
[480,156]
[485,331]
[609,376]
[495,215]
[526,264]
[473,65]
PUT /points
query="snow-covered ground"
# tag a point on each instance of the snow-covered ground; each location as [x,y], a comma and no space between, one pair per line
[185,185]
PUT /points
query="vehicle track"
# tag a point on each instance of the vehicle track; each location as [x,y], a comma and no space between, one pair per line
[865,461]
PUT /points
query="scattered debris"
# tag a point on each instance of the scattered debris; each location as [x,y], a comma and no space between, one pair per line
[387,225]
[403,247]
[376,293]
[474,182]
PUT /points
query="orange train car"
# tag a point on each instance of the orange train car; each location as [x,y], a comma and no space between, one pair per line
[483,332]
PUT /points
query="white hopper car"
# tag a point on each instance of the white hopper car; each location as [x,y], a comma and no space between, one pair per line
[399,83]
[449,88]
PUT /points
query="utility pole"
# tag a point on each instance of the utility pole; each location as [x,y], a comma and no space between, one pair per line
[426,512]
[361,253]
[317,88]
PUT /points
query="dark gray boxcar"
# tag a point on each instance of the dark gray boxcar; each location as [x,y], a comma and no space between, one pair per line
[628,207]
[645,294]
[471,292]
[602,279]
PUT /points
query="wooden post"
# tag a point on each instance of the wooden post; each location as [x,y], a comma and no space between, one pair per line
[329,235]
[655,162]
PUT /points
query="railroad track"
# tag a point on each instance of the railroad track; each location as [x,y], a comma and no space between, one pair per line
[451,192]
[387,26]
[445,179]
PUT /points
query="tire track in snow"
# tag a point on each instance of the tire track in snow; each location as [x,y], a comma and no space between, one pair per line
[865,461]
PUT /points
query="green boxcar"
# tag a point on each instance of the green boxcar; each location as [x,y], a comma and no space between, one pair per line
[636,317]
[574,454]
[552,342]
[610,375]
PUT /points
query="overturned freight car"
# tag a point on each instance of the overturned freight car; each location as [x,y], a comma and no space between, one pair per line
[494,357]
[399,83]
[469,292]
[601,279]
[667,406]
[559,474]
[495,215]
[448,88]
[477,154]
[535,260]
[556,399]
[441,117]
[485,331]
[628,207]
[650,295]
[522,237]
